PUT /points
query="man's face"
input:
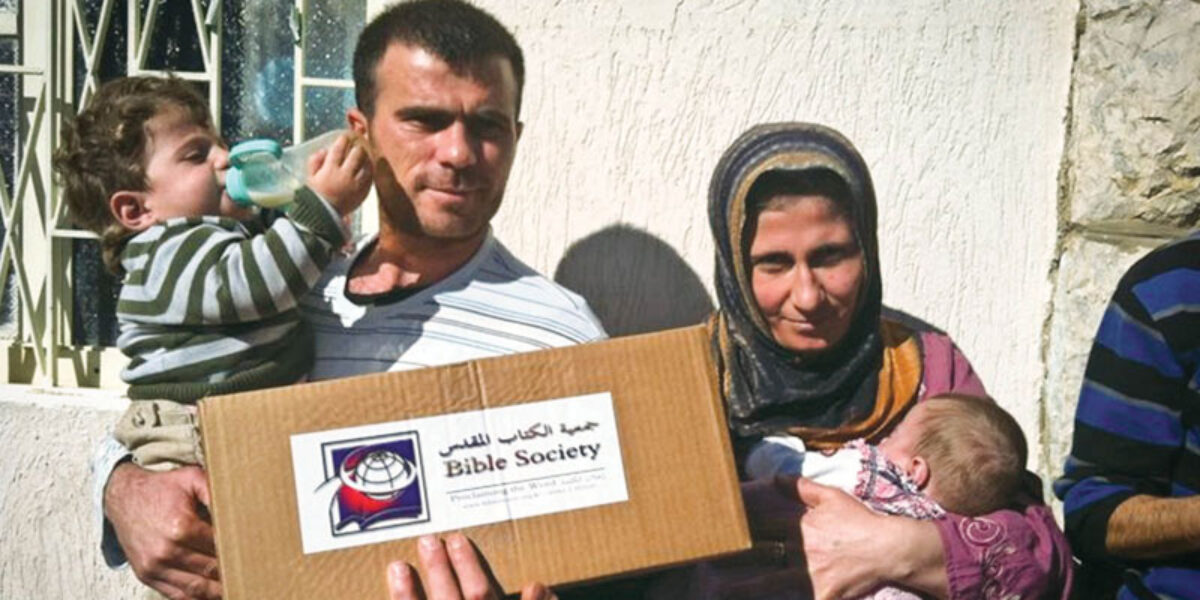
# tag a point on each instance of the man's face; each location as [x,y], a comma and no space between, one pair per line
[443,142]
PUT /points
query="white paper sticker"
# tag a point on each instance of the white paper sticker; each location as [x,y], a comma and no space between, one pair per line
[389,481]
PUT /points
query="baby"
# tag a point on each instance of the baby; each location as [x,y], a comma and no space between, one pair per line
[952,452]
[959,453]
[207,307]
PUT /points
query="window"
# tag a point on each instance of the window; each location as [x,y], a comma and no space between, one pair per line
[58,301]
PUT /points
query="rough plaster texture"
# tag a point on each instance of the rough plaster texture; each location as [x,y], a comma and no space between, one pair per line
[958,107]
[49,546]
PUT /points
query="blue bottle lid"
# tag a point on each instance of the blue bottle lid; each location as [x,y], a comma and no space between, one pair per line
[235,186]
[239,156]
[244,151]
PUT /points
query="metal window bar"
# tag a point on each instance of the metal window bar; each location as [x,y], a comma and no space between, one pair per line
[34,218]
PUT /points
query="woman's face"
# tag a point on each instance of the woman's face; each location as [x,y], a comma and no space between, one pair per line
[806,271]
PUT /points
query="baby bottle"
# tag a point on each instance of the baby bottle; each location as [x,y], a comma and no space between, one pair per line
[261,173]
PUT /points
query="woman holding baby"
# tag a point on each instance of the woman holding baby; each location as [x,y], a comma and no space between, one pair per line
[803,350]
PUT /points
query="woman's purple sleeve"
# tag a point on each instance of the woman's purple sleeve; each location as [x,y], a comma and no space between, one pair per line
[1008,553]
[946,369]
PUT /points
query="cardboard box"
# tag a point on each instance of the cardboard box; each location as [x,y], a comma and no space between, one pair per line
[522,448]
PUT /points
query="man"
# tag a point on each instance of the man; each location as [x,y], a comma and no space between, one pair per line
[438,87]
[1131,481]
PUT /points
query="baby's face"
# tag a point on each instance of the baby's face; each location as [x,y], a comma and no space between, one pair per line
[185,170]
[900,446]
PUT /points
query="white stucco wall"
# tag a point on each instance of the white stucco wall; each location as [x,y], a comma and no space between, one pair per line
[49,543]
[957,105]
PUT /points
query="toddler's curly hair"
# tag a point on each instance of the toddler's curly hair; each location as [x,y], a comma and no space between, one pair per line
[103,150]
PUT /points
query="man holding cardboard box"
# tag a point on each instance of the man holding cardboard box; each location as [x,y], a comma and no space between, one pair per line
[438,87]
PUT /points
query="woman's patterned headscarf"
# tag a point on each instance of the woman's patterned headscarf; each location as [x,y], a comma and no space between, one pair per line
[768,388]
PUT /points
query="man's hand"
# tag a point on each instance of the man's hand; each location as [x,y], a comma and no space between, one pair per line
[851,551]
[452,570]
[159,521]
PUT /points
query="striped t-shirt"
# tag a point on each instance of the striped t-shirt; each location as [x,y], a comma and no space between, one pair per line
[1136,427]
[492,305]
[208,308]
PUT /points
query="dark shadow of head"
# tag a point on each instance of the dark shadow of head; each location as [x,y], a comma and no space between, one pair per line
[634,282]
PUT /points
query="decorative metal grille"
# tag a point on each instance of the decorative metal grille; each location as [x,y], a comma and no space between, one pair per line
[56,309]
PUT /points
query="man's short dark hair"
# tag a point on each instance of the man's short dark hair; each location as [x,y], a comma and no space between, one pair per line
[460,34]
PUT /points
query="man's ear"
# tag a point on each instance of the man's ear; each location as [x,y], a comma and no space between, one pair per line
[359,125]
[357,121]
[130,210]
[918,471]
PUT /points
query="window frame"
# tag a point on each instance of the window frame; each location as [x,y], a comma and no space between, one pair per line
[37,246]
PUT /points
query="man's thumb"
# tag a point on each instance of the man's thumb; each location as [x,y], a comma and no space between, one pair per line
[197,482]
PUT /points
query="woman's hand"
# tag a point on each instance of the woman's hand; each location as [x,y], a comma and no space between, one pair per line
[452,570]
[851,551]
[158,521]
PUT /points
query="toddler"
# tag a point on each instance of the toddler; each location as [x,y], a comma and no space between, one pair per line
[208,303]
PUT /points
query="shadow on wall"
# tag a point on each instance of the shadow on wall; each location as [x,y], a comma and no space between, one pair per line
[634,282]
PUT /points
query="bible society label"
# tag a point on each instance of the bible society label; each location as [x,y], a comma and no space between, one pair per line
[389,481]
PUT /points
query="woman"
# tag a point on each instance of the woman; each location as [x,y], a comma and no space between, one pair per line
[803,349]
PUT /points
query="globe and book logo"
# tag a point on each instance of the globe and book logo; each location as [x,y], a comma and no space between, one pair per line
[379,483]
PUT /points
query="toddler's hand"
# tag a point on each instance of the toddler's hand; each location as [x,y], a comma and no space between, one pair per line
[341,174]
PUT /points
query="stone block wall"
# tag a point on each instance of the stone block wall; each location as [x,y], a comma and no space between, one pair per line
[1130,179]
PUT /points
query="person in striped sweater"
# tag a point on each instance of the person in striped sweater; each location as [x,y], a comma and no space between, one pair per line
[207,307]
[1131,485]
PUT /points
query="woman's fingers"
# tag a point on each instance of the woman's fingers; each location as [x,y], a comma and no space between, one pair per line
[813,494]
[841,537]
